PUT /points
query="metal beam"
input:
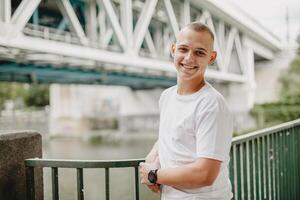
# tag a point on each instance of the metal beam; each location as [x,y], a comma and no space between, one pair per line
[53,47]
[23,13]
[224,11]
[5,10]
[221,36]
[229,45]
[259,49]
[114,22]
[150,44]
[240,53]
[68,12]
[47,74]
[127,20]
[107,37]
[172,17]
[143,24]
[64,22]
[101,19]
[206,18]
[91,20]
[186,12]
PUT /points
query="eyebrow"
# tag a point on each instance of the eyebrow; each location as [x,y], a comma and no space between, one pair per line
[201,49]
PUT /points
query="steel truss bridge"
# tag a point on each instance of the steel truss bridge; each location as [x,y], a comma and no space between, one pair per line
[122,42]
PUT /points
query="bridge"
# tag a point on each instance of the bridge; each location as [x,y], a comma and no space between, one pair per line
[122,42]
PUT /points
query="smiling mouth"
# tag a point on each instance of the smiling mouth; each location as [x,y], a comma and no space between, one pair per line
[188,67]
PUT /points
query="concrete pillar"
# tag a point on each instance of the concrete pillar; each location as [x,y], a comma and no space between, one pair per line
[78,109]
[14,149]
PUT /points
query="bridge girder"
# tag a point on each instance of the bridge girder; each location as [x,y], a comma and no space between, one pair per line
[129,33]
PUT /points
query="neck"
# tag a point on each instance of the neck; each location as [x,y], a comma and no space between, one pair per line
[189,87]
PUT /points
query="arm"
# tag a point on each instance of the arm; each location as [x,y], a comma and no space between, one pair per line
[152,156]
[201,173]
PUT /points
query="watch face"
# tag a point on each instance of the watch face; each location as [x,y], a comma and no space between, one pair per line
[152,176]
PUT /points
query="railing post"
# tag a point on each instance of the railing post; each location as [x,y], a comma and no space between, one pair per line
[107,183]
[80,190]
[136,183]
[55,194]
[30,187]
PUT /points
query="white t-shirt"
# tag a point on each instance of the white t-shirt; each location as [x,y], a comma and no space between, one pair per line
[191,127]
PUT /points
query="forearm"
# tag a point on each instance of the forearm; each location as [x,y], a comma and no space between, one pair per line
[187,176]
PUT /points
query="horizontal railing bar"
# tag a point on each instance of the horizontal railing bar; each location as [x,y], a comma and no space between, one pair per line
[61,163]
[266,131]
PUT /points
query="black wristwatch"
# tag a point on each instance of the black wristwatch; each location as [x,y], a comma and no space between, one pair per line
[152,176]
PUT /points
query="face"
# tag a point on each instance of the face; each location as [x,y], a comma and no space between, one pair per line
[192,52]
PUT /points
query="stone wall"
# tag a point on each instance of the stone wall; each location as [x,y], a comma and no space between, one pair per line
[15,147]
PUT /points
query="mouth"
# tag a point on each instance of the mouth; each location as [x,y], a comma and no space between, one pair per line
[188,67]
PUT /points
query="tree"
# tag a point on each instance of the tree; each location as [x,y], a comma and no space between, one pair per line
[298,41]
[288,107]
[10,91]
[37,96]
[32,95]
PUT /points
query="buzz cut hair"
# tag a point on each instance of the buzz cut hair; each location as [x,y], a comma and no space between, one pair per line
[200,27]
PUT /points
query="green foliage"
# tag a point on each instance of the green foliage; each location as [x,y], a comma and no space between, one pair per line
[37,96]
[32,95]
[298,41]
[290,82]
[11,91]
[272,113]
[288,107]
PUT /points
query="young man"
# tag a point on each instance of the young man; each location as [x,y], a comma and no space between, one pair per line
[190,159]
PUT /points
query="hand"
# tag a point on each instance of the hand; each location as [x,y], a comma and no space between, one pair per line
[144,171]
[154,188]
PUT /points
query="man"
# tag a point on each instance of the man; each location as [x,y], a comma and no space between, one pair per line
[190,159]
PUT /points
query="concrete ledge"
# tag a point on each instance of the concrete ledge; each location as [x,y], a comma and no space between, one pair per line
[15,147]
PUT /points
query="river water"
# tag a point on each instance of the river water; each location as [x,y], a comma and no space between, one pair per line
[121,180]
[130,146]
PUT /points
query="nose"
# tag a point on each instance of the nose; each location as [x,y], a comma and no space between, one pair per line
[189,57]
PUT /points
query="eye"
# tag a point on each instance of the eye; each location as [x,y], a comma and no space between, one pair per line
[200,53]
[182,49]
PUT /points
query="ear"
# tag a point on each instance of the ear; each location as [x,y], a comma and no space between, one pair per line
[213,57]
[172,50]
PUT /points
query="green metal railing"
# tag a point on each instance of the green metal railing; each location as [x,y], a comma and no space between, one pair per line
[264,165]
[79,165]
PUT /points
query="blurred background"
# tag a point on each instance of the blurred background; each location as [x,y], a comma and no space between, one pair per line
[87,74]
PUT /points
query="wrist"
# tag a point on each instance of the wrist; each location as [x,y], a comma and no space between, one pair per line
[152,176]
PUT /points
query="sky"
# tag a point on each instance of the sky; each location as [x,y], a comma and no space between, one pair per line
[272,14]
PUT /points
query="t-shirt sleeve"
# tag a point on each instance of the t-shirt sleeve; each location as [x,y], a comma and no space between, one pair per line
[214,134]
[161,99]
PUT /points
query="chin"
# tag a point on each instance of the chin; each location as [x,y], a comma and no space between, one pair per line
[186,77]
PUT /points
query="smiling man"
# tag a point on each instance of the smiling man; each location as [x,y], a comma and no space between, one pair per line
[190,159]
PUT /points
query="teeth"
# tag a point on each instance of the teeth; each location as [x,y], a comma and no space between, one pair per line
[188,67]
